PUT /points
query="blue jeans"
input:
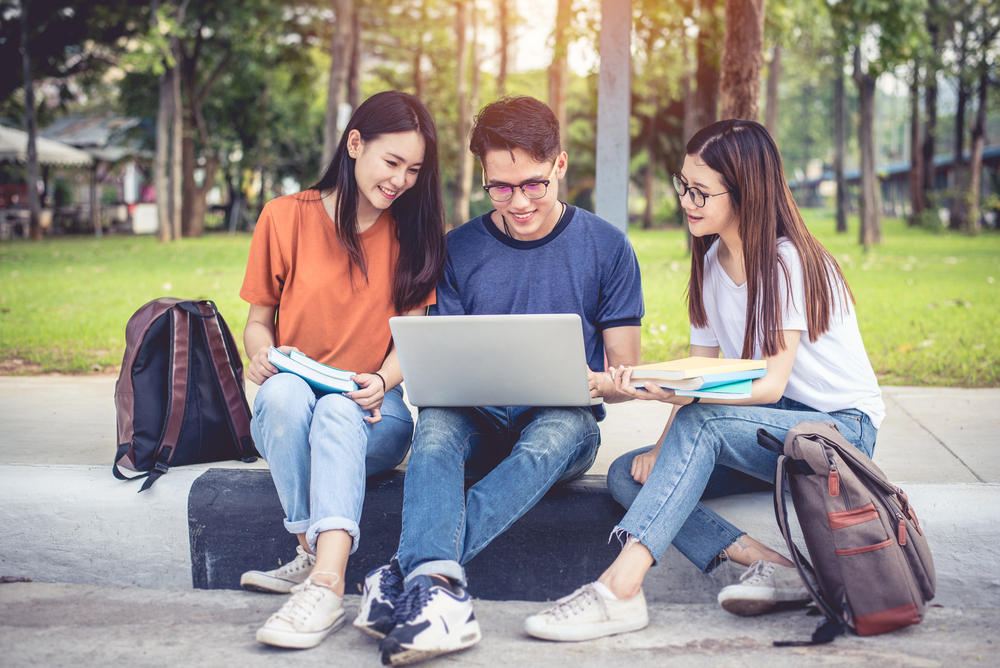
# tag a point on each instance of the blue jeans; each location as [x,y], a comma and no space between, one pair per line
[319,450]
[711,451]
[517,453]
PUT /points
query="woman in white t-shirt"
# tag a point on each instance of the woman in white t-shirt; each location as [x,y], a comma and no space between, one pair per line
[762,287]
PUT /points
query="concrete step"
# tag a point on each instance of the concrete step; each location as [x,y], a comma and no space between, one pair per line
[202,527]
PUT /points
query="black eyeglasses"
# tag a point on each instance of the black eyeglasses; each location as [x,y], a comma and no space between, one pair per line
[698,197]
[530,189]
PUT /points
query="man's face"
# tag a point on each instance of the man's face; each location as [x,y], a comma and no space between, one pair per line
[527,219]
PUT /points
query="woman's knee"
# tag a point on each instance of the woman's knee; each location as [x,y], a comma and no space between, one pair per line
[621,484]
[284,393]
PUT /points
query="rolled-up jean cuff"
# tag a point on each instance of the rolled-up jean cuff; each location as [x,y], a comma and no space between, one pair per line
[297,527]
[334,524]
[449,569]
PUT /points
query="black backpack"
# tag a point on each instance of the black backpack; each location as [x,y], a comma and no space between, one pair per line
[180,396]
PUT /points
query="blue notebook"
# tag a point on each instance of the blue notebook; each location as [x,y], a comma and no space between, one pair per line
[320,377]
[737,390]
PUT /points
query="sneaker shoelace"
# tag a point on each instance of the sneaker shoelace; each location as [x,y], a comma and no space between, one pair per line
[391,584]
[303,560]
[759,570]
[410,603]
[305,600]
[577,602]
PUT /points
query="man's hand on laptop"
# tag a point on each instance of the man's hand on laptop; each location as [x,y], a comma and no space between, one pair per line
[608,385]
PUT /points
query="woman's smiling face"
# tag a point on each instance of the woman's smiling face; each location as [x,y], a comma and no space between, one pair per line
[717,216]
[385,167]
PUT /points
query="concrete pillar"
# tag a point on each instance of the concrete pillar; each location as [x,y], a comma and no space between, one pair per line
[613,111]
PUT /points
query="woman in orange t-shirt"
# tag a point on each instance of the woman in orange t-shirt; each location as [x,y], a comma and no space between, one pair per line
[328,267]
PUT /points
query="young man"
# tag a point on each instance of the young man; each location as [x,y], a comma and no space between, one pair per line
[533,254]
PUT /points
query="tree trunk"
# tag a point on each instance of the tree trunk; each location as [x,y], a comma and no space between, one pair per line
[871,232]
[689,110]
[418,54]
[177,147]
[340,62]
[773,76]
[161,181]
[31,127]
[930,112]
[95,201]
[956,219]
[976,160]
[916,158]
[193,201]
[471,107]
[742,59]
[354,76]
[160,178]
[652,153]
[503,18]
[706,107]
[559,80]
[460,203]
[839,142]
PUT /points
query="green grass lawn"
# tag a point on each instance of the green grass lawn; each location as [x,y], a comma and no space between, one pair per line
[928,304]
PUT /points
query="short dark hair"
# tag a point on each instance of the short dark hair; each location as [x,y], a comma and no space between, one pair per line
[516,122]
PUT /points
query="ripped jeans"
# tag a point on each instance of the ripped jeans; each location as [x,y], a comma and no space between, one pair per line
[517,453]
[711,451]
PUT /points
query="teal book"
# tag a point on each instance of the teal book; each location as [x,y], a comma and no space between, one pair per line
[320,377]
[737,390]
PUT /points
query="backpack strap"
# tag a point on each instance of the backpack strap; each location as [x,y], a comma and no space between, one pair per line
[833,625]
[233,394]
[180,344]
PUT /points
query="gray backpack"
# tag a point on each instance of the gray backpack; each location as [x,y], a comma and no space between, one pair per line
[871,568]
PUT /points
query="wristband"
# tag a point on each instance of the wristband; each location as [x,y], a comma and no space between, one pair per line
[382,379]
[695,400]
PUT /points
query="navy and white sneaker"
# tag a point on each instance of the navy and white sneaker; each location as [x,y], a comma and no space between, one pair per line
[378,599]
[431,619]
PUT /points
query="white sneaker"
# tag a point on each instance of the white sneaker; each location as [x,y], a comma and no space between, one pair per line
[378,600]
[763,587]
[280,580]
[309,616]
[431,619]
[586,614]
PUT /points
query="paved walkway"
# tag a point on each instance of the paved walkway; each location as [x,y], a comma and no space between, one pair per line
[934,435]
[58,499]
[94,627]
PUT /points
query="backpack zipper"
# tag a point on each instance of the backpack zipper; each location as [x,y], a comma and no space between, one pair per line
[833,481]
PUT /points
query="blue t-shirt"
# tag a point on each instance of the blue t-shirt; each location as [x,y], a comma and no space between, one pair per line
[584,266]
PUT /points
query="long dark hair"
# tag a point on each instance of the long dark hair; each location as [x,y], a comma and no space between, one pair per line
[746,158]
[419,212]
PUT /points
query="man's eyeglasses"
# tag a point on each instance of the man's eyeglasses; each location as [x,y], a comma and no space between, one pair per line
[698,197]
[530,189]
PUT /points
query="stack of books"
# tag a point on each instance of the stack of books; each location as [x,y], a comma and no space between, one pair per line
[320,377]
[704,377]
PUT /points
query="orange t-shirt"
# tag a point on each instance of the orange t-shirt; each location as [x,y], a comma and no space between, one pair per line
[297,264]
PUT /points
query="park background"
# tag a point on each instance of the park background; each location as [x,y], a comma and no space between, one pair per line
[202,111]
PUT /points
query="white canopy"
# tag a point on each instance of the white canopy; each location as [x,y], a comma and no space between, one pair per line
[14,147]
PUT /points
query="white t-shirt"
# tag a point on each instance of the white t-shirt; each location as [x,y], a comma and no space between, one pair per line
[829,375]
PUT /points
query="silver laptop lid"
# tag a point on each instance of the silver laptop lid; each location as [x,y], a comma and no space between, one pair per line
[493,360]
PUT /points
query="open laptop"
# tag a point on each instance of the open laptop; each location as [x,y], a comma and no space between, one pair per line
[493,360]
